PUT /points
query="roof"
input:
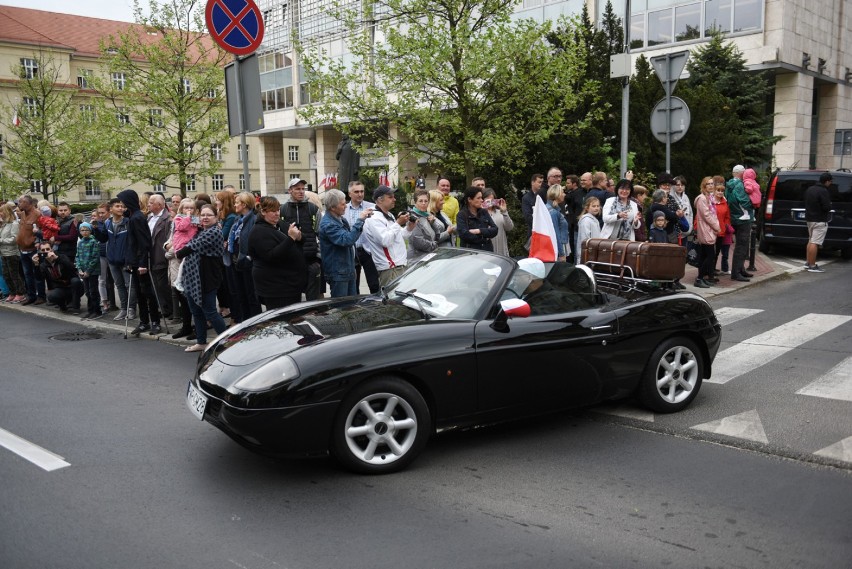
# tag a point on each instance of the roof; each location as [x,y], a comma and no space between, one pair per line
[80,34]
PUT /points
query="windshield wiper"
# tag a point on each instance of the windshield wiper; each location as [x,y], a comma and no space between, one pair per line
[417,299]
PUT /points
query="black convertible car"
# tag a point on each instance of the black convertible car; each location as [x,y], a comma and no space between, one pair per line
[463,338]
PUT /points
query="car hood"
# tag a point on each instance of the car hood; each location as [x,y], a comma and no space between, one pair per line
[282,332]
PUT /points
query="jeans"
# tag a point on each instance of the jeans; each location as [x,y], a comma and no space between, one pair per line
[126,295]
[61,295]
[343,288]
[93,296]
[742,235]
[724,249]
[13,275]
[201,314]
[312,289]
[143,286]
[4,288]
[29,275]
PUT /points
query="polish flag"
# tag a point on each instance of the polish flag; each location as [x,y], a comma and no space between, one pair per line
[543,240]
[516,307]
[16,120]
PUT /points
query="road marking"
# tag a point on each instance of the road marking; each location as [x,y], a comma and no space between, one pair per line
[742,426]
[787,265]
[727,315]
[754,352]
[628,411]
[841,450]
[25,449]
[836,384]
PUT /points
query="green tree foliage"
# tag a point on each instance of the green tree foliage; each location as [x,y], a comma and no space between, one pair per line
[163,84]
[52,150]
[454,80]
[721,65]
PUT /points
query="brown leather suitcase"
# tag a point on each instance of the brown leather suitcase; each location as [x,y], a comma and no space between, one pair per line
[652,261]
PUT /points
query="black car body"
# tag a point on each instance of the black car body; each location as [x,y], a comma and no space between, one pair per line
[355,376]
[782,214]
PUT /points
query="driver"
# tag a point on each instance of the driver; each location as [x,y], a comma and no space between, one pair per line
[539,293]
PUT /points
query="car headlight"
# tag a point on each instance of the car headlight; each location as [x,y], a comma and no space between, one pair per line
[270,374]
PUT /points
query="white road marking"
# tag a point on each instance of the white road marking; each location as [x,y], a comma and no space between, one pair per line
[727,315]
[40,457]
[754,352]
[628,411]
[841,450]
[742,426]
[836,384]
[788,265]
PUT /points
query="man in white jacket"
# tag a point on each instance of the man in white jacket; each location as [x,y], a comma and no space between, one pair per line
[384,235]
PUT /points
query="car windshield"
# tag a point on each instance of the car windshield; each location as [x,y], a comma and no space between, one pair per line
[451,283]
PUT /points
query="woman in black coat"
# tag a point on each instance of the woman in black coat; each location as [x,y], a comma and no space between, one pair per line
[474,224]
[278,265]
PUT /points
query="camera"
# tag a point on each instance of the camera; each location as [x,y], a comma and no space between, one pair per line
[42,256]
[413,214]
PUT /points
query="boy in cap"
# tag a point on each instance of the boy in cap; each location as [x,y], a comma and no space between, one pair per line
[88,262]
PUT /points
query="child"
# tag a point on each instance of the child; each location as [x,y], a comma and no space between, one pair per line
[752,188]
[183,230]
[48,227]
[587,224]
[88,261]
[658,234]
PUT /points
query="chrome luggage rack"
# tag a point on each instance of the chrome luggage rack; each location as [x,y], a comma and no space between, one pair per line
[620,279]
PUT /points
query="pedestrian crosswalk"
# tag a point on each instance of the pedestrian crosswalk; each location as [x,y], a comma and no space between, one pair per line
[736,362]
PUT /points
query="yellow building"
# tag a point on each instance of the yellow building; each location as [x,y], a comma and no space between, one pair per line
[72,44]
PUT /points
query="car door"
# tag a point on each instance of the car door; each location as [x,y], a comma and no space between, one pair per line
[544,361]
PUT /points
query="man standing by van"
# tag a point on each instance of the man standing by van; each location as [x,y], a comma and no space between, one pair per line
[817,210]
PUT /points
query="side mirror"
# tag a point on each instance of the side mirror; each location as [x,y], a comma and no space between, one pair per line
[512,308]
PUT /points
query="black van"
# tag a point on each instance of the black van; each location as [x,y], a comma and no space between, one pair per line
[781,220]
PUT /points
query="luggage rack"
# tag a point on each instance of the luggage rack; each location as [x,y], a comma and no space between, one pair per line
[620,279]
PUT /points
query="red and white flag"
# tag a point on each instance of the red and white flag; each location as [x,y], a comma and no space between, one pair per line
[543,240]
[383,178]
[16,120]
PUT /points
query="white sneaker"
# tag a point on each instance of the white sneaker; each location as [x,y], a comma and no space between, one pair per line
[121,315]
[744,217]
[131,314]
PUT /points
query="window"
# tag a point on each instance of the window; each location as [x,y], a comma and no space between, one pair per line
[659,27]
[87,113]
[295,176]
[92,188]
[155,117]
[1,145]
[35,185]
[30,107]
[159,188]
[240,152]
[119,81]
[29,68]
[276,80]
[212,93]
[658,22]
[187,87]
[293,153]
[84,77]
[747,15]
[122,116]
[717,16]
[216,152]
[190,183]
[688,22]
[218,182]
[242,182]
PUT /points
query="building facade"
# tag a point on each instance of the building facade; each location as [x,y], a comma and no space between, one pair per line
[72,44]
[804,45]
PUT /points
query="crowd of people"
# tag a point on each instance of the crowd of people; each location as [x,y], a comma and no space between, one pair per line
[202,261]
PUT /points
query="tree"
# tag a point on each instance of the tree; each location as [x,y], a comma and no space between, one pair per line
[722,66]
[454,80]
[164,86]
[51,150]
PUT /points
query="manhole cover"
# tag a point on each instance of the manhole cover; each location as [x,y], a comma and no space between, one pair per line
[77,336]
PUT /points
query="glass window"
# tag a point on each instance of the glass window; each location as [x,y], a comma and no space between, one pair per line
[637,31]
[187,87]
[688,22]
[190,183]
[30,107]
[717,16]
[240,152]
[1,145]
[155,117]
[242,182]
[87,113]
[119,81]
[83,78]
[218,182]
[293,153]
[92,189]
[30,68]
[216,152]
[659,27]
[747,15]
[159,188]
[122,116]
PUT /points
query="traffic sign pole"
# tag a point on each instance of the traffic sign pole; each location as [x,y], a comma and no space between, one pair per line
[242,119]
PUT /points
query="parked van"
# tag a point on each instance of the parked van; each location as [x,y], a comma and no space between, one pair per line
[781,219]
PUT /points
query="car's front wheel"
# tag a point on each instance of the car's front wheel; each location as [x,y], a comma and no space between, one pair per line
[381,426]
[672,376]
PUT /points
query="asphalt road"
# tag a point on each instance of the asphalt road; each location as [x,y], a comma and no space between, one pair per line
[148,485]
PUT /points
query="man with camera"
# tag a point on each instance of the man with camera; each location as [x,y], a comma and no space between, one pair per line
[63,284]
[306,215]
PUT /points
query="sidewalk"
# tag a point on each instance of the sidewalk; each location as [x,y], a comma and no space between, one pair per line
[766,269]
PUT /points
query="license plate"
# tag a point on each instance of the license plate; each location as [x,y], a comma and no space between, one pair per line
[799,215]
[196,401]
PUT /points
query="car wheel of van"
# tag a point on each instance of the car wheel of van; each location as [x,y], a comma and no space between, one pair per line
[672,376]
[381,426]
[763,246]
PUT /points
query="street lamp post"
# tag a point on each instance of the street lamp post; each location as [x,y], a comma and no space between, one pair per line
[625,93]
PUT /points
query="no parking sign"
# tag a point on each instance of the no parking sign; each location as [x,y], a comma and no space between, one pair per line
[236,25]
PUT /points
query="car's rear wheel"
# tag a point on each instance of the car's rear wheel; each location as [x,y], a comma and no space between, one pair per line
[672,376]
[381,426]
[763,246]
